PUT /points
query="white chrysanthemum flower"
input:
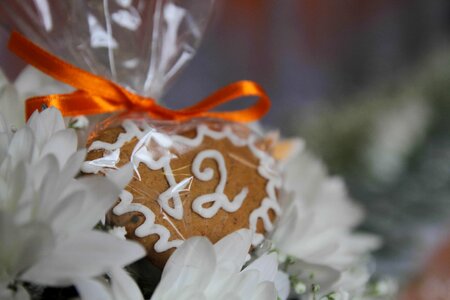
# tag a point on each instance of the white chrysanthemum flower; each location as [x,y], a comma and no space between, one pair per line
[315,230]
[200,270]
[47,216]
[29,83]
[9,102]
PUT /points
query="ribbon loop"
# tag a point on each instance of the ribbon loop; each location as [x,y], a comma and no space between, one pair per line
[97,95]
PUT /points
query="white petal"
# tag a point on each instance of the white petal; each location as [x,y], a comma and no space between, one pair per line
[188,294]
[265,291]
[266,265]
[44,168]
[48,180]
[244,283]
[4,126]
[229,296]
[16,185]
[122,176]
[282,285]
[10,104]
[4,144]
[286,229]
[92,289]
[313,273]
[62,144]
[101,194]
[56,185]
[60,215]
[123,285]
[220,282]
[21,294]
[315,245]
[73,164]
[333,200]
[21,245]
[85,255]
[21,146]
[45,124]
[232,250]
[192,263]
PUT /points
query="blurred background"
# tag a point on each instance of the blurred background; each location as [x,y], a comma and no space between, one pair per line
[367,85]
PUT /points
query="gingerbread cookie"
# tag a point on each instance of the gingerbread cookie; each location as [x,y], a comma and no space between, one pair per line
[201,178]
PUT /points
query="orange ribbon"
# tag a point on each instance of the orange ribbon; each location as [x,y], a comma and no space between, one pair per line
[97,95]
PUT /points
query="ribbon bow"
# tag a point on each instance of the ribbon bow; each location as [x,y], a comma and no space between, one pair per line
[97,95]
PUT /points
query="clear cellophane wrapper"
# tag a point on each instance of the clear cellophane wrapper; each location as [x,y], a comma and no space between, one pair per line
[198,177]
[140,44]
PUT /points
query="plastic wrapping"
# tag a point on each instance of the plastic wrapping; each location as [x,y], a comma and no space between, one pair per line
[140,44]
[199,177]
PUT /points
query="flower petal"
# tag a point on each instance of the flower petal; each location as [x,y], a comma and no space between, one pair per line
[192,263]
[101,194]
[266,265]
[21,146]
[122,176]
[244,283]
[229,296]
[15,188]
[123,285]
[4,144]
[21,294]
[8,294]
[61,213]
[231,251]
[282,285]
[92,289]
[325,276]
[45,124]
[265,291]
[73,164]
[21,245]
[86,255]
[62,144]
[4,126]
[10,104]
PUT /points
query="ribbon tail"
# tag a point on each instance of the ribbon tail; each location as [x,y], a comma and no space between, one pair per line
[230,93]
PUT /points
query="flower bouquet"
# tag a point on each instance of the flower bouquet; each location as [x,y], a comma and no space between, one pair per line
[107,194]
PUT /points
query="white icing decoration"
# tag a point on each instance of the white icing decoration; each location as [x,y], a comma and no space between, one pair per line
[148,227]
[173,192]
[219,200]
[109,160]
[141,154]
[267,165]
